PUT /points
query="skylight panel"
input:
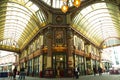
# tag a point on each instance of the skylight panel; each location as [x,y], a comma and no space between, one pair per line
[99,5]
[29,3]
[57,3]
[97,15]
[15,16]
[48,2]
[93,18]
[86,10]
[34,7]
[26,1]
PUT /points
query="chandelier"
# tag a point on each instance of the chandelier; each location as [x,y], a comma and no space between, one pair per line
[65,7]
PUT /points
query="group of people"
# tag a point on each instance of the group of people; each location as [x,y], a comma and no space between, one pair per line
[95,71]
[21,73]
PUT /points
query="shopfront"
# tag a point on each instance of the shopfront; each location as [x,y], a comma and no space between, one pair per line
[59,64]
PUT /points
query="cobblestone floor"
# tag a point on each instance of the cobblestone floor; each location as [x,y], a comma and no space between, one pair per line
[88,77]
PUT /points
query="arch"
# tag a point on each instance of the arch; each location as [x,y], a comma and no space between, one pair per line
[98,22]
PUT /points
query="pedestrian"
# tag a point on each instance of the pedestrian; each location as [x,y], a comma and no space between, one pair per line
[94,70]
[100,70]
[10,74]
[14,72]
[22,74]
[77,72]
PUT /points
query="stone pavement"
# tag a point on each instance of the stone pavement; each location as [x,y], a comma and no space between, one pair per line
[87,77]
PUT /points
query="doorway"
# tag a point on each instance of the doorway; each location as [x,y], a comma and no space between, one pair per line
[59,64]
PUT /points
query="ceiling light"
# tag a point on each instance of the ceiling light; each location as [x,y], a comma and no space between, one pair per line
[13,45]
[64,8]
[76,3]
[104,46]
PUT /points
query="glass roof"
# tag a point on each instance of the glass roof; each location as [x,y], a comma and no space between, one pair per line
[57,3]
[98,22]
[19,21]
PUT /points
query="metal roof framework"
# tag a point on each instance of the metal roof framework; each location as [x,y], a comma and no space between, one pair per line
[99,22]
[20,20]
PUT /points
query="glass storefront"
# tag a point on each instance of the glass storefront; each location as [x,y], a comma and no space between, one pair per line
[30,67]
[81,64]
[36,66]
[59,64]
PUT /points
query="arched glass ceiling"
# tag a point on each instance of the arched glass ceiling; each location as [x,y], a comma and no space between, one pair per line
[98,22]
[20,20]
[57,3]
[111,42]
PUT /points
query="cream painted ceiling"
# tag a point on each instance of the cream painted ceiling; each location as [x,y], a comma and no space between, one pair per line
[20,20]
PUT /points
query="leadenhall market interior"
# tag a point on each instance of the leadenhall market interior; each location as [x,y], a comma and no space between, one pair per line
[52,37]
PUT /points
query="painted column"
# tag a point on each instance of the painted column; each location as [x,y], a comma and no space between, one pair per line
[49,46]
[70,47]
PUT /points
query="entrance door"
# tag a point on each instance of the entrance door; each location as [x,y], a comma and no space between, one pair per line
[59,64]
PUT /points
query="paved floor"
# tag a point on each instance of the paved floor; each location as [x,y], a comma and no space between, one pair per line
[88,77]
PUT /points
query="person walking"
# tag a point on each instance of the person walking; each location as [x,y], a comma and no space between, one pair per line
[22,74]
[77,72]
[14,72]
[94,70]
[100,70]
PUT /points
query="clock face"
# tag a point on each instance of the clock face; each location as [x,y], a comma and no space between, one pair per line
[59,19]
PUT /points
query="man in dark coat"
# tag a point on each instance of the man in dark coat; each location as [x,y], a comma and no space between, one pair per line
[94,70]
[14,72]
[22,74]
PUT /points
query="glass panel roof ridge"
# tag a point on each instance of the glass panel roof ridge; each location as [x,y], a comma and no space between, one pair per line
[90,19]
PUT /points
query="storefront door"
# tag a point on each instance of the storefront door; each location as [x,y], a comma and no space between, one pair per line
[59,64]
